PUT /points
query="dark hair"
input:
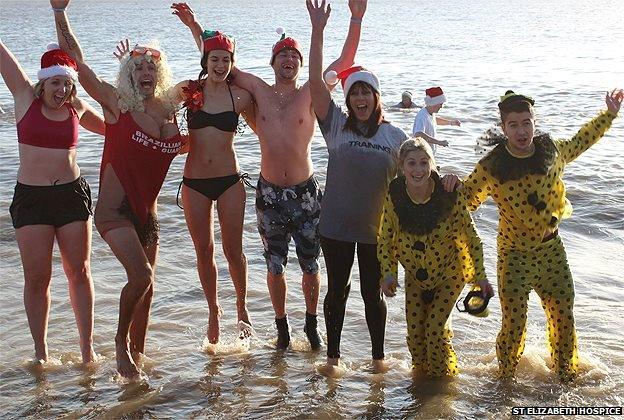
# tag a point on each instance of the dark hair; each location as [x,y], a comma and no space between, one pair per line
[204,66]
[513,102]
[374,121]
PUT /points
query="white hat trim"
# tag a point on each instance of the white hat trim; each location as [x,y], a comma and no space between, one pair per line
[57,71]
[361,76]
[436,100]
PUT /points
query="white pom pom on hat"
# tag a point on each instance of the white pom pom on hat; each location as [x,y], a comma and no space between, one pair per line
[331,77]
[53,46]
[279,30]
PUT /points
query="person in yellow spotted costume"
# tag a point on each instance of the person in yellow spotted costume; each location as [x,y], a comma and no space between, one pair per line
[430,231]
[523,174]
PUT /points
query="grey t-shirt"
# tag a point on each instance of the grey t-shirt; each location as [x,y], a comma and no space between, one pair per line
[358,173]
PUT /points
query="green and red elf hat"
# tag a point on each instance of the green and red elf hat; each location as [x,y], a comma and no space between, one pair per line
[351,76]
[285,43]
[216,40]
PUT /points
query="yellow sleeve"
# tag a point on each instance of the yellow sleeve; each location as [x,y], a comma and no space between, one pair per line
[587,136]
[386,240]
[477,187]
[470,246]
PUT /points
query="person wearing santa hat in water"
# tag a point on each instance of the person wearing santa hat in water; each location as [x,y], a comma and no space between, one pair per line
[142,138]
[426,120]
[51,200]
[288,195]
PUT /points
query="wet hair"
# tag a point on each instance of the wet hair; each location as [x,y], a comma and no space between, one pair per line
[513,102]
[414,145]
[204,66]
[374,121]
[38,91]
[129,97]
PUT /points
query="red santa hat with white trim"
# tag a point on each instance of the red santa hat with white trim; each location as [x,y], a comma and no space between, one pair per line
[56,62]
[351,76]
[434,96]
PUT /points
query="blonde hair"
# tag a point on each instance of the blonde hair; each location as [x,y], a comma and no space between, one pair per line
[414,145]
[129,98]
[38,91]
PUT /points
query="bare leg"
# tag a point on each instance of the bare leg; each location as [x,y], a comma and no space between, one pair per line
[199,219]
[125,244]
[140,318]
[74,240]
[277,291]
[35,243]
[311,285]
[231,210]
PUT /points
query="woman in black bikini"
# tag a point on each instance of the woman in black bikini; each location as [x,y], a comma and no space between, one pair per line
[211,173]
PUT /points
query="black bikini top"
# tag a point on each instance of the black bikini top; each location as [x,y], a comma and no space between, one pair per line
[224,121]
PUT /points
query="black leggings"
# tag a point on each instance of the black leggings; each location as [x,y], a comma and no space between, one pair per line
[339,260]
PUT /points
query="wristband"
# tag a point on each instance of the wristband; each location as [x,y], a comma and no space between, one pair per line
[58,10]
[357,21]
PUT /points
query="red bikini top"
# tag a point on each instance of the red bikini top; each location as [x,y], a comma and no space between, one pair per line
[35,129]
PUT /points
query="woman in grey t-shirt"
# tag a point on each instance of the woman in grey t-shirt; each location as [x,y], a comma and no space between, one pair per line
[363,150]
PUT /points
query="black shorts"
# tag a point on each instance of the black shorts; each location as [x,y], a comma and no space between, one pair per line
[55,205]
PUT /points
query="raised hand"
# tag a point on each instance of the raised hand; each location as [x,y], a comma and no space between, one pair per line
[123,48]
[59,4]
[389,285]
[614,100]
[318,13]
[358,8]
[184,12]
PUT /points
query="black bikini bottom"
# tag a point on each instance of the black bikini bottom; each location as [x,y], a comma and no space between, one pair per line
[212,188]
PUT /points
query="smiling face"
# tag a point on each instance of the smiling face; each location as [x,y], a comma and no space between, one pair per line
[218,65]
[286,64]
[361,101]
[417,167]
[144,77]
[55,91]
[519,127]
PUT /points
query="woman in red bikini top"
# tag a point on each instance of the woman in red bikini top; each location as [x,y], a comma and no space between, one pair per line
[211,173]
[142,139]
[51,200]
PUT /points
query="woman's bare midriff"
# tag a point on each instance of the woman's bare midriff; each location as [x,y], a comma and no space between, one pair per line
[42,166]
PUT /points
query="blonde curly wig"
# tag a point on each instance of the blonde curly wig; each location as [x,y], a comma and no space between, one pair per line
[129,98]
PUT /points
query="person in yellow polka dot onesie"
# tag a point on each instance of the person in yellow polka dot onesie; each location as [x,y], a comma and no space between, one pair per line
[523,174]
[431,233]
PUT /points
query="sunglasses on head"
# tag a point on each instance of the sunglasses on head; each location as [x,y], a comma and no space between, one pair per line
[139,50]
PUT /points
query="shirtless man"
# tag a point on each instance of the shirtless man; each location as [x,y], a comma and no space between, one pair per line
[288,195]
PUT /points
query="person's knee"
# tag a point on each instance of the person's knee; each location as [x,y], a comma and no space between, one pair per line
[205,251]
[234,254]
[37,280]
[275,265]
[141,277]
[78,273]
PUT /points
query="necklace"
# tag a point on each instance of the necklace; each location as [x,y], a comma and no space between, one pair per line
[429,192]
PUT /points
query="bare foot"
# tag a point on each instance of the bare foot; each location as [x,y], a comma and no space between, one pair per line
[380,366]
[243,315]
[332,369]
[41,354]
[125,365]
[213,324]
[88,354]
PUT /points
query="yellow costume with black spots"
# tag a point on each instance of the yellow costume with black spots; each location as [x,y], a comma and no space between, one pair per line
[531,200]
[437,244]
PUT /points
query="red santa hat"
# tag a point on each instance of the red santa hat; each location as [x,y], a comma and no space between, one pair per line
[56,62]
[215,40]
[352,75]
[434,96]
[285,43]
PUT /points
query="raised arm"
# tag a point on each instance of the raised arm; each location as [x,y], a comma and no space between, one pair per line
[349,49]
[16,80]
[187,16]
[90,118]
[98,89]
[318,89]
